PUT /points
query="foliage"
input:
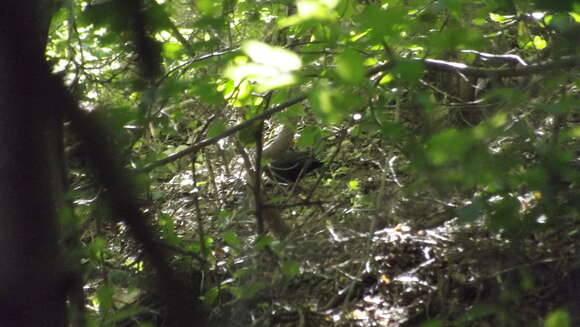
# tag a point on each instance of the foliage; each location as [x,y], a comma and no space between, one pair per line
[417,108]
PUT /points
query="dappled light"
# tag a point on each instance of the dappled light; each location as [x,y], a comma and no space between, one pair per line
[290,163]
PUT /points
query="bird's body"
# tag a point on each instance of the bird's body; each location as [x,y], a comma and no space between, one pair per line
[292,166]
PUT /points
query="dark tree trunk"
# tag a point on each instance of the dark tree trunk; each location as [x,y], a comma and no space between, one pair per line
[32,284]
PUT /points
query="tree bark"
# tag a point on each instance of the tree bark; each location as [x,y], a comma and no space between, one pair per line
[32,283]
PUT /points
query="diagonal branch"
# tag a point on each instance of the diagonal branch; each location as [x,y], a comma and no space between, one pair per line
[431,64]
[209,141]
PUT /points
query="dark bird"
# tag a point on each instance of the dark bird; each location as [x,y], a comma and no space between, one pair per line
[292,166]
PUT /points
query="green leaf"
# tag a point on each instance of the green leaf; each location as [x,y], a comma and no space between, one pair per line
[168,229]
[205,88]
[208,7]
[271,67]
[539,42]
[350,67]
[291,269]
[264,241]
[312,11]
[505,214]
[216,127]
[276,57]
[248,135]
[250,290]
[385,23]
[558,318]
[410,71]
[224,214]
[208,241]
[332,105]
[195,247]
[212,294]
[172,50]
[172,88]
[310,136]
[353,185]
[392,131]
[499,18]
[105,298]
[574,132]
[232,239]
[447,146]
[97,247]
[386,79]
[455,6]
[241,273]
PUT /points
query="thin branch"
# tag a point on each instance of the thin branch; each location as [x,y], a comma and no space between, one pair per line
[265,115]
[258,178]
[456,67]
[431,64]
[490,56]
[196,60]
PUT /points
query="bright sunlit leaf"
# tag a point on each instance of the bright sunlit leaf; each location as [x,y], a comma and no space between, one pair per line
[387,78]
[275,57]
[499,18]
[271,67]
[311,10]
[353,185]
[539,42]
[358,36]
[172,49]
[315,8]
[478,21]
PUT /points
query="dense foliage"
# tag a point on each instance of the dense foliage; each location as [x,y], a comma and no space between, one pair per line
[448,133]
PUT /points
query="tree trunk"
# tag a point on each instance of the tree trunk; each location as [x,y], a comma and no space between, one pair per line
[32,284]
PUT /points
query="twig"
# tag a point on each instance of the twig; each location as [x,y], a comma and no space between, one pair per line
[265,115]
[258,179]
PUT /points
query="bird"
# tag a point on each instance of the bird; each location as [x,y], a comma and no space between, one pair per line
[292,166]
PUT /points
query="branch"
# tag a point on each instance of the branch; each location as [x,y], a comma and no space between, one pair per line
[453,67]
[196,60]
[195,147]
[431,64]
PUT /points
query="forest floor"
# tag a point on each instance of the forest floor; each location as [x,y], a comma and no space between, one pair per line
[454,274]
